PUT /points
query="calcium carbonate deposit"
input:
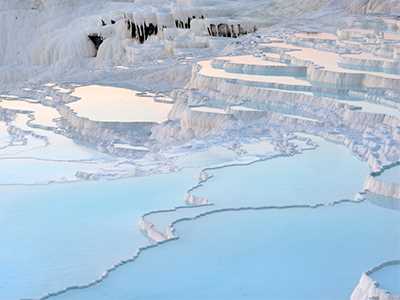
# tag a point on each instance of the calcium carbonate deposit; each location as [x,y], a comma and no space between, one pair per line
[193,149]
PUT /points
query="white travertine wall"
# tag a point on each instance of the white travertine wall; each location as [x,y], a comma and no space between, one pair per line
[387,189]
[368,289]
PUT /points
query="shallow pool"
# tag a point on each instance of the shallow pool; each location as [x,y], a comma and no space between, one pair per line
[271,254]
[328,174]
[63,235]
[389,279]
[113,104]
[55,236]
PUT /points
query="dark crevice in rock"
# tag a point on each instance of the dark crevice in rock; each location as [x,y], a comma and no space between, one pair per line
[97,40]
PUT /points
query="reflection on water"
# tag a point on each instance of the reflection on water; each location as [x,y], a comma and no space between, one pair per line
[112,104]
[382,201]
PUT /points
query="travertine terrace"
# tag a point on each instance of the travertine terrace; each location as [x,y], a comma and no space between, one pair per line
[259,139]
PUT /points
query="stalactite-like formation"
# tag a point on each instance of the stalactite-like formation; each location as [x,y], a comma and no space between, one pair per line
[144,29]
[226,30]
[186,24]
[213,30]
[234,35]
[141,32]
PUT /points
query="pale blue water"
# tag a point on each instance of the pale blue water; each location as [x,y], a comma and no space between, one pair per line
[389,279]
[31,171]
[277,254]
[308,178]
[254,255]
[321,176]
[55,236]
[391,175]
[386,202]
[63,235]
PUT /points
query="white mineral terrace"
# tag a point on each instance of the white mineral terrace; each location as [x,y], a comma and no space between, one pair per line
[259,148]
[391,36]
[131,147]
[374,108]
[112,104]
[272,57]
[368,289]
[366,55]
[250,60]
[208,70]
[356,32]
[299,117]
[208,109]
[327,60]
[316,36]
[61,89]
[223,128]
[243,108]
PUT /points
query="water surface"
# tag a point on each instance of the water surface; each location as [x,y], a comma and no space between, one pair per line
[56,236]
[276,254]
[389,279]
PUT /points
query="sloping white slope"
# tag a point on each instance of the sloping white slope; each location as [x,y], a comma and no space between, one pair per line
[36,34]
[45,35]
[375,6]
[260,11]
